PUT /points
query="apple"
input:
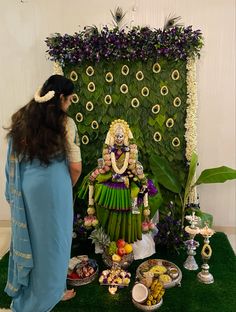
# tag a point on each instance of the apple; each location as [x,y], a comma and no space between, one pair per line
[121,251]
[120,243]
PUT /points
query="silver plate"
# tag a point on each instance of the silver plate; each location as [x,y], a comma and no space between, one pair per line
[176,277]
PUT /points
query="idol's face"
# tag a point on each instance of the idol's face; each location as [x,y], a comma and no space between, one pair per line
[119,136]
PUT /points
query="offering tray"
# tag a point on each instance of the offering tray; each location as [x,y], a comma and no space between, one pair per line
[165,271]
[81,272]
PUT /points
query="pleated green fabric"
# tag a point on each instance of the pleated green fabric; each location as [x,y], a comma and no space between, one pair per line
[118,199]
[114,212]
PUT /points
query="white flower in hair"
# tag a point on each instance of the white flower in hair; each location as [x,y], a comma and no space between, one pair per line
[42,99]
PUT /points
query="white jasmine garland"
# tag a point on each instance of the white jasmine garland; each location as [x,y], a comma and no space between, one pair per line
[146,212]
[191,117]
[190,123]
[125,165]
[145,200]
[42,99]
[91,192]
[57,69]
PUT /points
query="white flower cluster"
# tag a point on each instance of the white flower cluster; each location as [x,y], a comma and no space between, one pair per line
[191,118]
[57,69]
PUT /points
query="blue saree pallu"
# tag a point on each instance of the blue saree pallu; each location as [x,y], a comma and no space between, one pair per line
[42,220]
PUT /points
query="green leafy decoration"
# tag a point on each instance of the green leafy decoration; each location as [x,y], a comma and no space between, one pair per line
[216,175]
[164,174]
[141,119]
[191,173]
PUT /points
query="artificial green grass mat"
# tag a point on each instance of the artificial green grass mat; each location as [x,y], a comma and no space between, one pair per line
[192,296]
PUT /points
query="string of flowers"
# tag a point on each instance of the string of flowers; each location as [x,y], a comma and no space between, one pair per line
[125,165]
[137,43]
[57,69]
[191,118]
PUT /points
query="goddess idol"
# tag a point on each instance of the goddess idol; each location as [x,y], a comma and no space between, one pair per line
[118,188]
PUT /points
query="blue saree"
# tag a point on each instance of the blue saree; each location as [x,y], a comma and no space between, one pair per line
[42,217]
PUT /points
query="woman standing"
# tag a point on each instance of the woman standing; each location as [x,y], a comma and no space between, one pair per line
[43,163]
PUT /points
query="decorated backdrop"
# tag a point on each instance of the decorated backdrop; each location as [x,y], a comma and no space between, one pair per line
[146,77]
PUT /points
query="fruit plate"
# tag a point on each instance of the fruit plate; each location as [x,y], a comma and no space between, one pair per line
[144,307]
[165,271]
[124,263]
[86,280]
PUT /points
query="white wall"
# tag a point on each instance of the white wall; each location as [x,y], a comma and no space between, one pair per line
[24,66]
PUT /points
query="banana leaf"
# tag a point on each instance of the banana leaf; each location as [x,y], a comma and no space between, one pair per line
[164,174]
[216,175]
[155,202]
[191,173]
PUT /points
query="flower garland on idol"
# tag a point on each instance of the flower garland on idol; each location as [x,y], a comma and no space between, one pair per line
[131,168]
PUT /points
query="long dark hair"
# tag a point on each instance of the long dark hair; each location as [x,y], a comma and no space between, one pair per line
[38,129]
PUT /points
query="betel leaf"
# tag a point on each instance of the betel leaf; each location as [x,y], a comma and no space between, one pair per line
[216,175]
[164,174]
[151,121]
[160,119]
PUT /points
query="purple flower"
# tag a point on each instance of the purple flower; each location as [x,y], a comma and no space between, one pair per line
[136,44]
[152,190]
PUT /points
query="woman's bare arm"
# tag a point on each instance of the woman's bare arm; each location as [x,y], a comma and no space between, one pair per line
[75,169]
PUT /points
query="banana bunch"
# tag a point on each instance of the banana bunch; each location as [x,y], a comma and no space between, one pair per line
[156,293]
